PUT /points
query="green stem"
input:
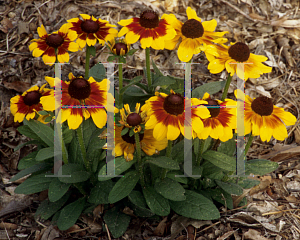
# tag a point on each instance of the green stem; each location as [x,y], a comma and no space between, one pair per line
[139,155]
[199,153]
[82,147]
[148,67]
[168,154]
[120,84]
[87,62]
[248,143]
[64,153]
[224,95]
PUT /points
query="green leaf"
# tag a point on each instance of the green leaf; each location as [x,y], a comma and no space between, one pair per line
[211,171]
[70,213]
[248,183]
[195,206]
[88,128]
[139,205]
[98,72]
[45,153]
[131,132]
[164,81]
[156,70]
[178,152]
[28,161]
[48,119]
[170,189]
[132,82]
[34,184]
[76,172]
[99,194]
[40,167]
[45,132]
[111,58]
[74,152]
[117,222]
[220,160]
[222,197]
[43,113]
[121,165]
[211,88]
[228,147]
[67,135]
[163,162]
[131,52]
[124,131]
[26,130]
[92,50]
[123,187]
[156,202]
[260,167]
[35,142]
[172,175]
[57,189]
[47,208]
[230,188]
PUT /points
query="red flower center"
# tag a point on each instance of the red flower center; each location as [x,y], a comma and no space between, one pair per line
[262,106]
[149,19]
[79,88]
[54,40]
[192,29]
[131,139]
[90,26]
[239,52]
[119,46]
[174,104]
[32,98]
[213,107]
[134,119]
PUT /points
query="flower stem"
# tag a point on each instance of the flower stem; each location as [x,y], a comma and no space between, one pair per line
[199,153]
[224,95]
[120,84]
[248,143]
[139,155]
[82,147]
[87,62]
[148,67]
[168,154]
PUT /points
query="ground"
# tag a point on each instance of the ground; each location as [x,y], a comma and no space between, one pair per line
[269,27]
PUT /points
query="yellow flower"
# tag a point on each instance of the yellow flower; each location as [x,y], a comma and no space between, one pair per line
[195,35]
[125,145]
[222,120]
[90,29]
[265,119]
[120,48]
[166,115]
[60,41]
[151,30]
[132,119]
[27,104]
[228,57]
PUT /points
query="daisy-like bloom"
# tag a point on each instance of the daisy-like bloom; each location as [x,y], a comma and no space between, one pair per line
[27,104]
[90,29]
[120,48]
[222,120]
[59,43]
[195,35]
[265,119]
[166,115]
[228,57]
[132,119]
[125,145]
[151,30]
[80,92]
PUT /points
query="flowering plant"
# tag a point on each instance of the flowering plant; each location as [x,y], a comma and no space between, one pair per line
[176,150]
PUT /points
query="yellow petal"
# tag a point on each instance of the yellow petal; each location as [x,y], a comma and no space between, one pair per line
[64,28]
[99,117]
[131,37]
[158,43]
[145,42]
[286,117]
[160,131]
[192,14]
[91,42]
[151,123]
[205,132]
[30,116]
[63,58]
[197,124]
[33,46]
[49,60]
[19,117]
[173,132]
[186,50]
[123,31]
[42,31]
[125,22]
[85,16]
[37,52]
[81,42]
[74,121]
[209,26]
[280,133]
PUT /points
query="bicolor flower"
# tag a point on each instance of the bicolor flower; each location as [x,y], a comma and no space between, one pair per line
[222,120]
[149,29]
[229,57]
[265,119]
[27,104]
[90,29]
[167,117]
[55,44]
[195,35]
